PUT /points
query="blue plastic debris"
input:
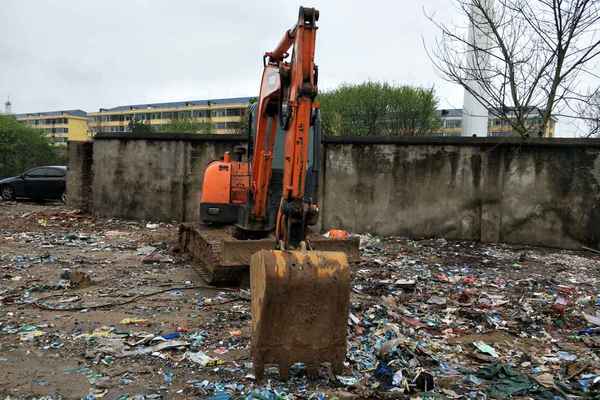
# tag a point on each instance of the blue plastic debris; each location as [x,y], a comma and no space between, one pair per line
[587,381]
[170,336]
[221,395]
[265,394]
[385,375]
[589,331]
[168,377]
[566,356]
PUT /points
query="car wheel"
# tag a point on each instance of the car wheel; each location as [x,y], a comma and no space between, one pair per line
[8,193]
[63,198]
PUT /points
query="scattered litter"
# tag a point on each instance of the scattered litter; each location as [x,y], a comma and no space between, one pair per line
[168,336]
[428,319]
[146,250]
[30,335]
[337,234]
[77,279]
[168,377]
[132,321]
[171,344]
[485,348]
[202,359]
[440,301]
[347,380]
[592,319]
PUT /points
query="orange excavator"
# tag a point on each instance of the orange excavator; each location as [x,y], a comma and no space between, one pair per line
[257,213]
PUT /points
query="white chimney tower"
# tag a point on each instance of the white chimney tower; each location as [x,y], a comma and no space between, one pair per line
[475,114]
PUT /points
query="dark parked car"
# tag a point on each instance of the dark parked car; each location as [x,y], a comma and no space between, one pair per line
[39,183]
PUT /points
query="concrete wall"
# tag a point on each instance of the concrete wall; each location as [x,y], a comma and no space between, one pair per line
[79,175]
[543,192]
[153,177]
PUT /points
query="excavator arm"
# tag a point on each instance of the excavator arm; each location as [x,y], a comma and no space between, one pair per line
[286,99]
[300,297]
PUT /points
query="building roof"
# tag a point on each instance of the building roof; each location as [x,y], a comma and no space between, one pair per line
[179,104]
[77,113]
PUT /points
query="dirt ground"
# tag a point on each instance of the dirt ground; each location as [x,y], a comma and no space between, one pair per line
[38,243]
[444,310]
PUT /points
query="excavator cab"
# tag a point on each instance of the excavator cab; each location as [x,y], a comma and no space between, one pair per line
[226,181]
[311,187]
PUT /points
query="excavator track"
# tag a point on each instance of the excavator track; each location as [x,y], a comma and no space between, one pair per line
[221,259]
[205,245]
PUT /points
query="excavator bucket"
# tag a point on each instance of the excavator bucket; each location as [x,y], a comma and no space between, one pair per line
[300,303]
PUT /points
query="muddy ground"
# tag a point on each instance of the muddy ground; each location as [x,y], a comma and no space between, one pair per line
[431,302]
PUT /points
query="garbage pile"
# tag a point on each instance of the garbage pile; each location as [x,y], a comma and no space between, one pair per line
[468,320]
[105,309]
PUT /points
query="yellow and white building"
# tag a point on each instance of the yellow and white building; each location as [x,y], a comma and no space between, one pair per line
[451,124]
[219,116]
[59,126]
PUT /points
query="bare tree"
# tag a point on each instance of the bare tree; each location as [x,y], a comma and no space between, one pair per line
[529,60]
[589,112]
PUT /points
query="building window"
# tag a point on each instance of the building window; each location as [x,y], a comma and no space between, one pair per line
[234,112]
[183,115]
[219,113]
[452,123]
[200,113]
[220,125]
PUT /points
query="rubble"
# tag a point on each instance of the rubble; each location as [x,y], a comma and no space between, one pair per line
[428,319]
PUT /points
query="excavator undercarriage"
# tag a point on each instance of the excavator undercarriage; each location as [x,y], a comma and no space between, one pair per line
[221,259]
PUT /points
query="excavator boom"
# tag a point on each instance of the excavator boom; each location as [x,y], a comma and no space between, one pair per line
[286,99]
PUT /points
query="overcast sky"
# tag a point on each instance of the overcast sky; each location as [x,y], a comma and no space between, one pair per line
[67,54]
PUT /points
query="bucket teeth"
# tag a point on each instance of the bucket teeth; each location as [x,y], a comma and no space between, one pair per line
[299,309]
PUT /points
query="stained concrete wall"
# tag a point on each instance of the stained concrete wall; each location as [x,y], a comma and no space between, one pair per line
[544,192]
[153,177]
[79,175]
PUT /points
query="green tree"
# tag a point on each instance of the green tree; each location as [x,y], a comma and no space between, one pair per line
[23,147]
[139,127]
[187,125]
[379,109]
